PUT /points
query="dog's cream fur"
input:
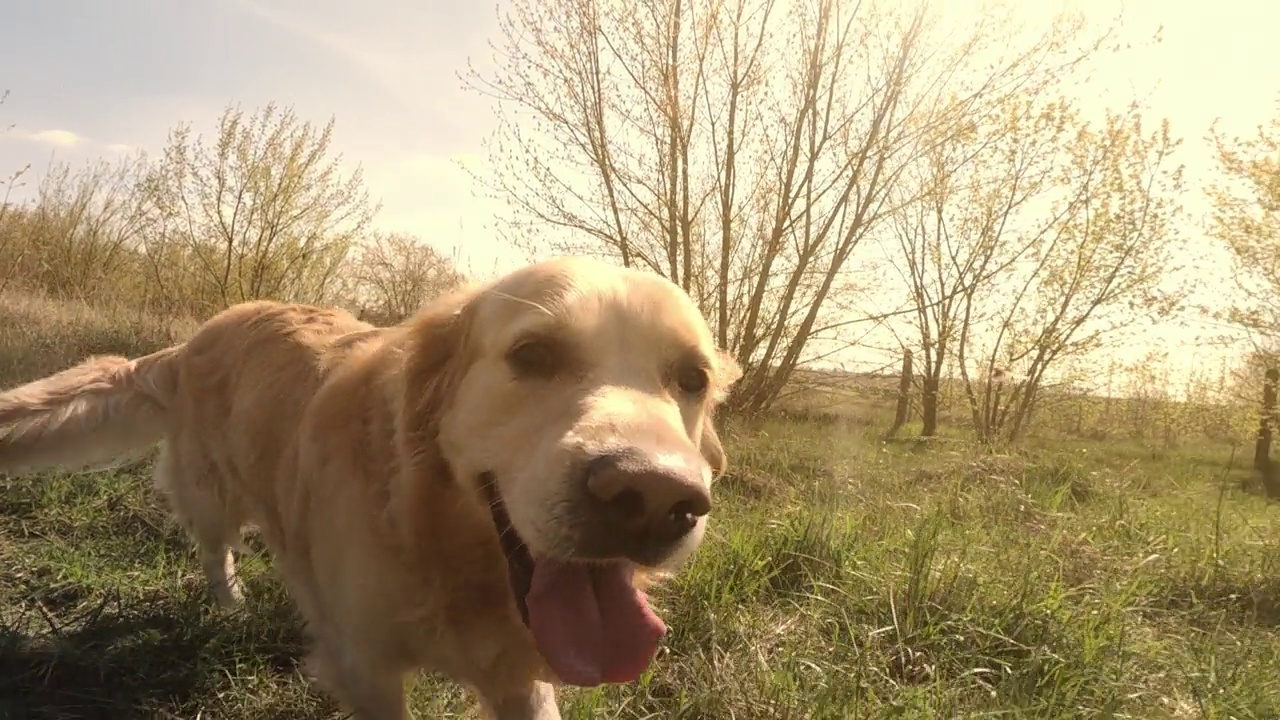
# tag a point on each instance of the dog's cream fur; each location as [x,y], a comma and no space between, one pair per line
[356,451]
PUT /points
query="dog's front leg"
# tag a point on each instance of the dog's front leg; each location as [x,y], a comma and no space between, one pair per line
[536,703]
[366,689]
[509,678]
[511,685]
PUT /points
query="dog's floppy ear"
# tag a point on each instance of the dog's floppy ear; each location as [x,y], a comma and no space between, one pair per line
[727,372]
[712,449]
[434,357]
[435,360]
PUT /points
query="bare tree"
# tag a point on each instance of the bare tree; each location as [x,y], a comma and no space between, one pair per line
[742,148]
[1091,272]
[968,223]
[396,274]
[263,211]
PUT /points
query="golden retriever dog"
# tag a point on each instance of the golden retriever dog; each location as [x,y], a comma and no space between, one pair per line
[483,491]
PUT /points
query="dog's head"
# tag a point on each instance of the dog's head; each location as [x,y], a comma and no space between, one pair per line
[577,397]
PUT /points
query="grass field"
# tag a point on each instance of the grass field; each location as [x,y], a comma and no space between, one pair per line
[843,577]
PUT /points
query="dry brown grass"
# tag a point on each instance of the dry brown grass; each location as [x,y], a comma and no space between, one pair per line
[39,335]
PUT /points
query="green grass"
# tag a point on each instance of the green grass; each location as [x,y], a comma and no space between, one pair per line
[842,577]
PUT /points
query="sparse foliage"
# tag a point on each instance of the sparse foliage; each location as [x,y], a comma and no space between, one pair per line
[743,149]
[1093,271]
[263,210]
[12,250]
[85,228]
[1246,219]
[396,274]
[965,221]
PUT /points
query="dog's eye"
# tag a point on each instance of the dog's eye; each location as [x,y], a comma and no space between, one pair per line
[692,379]
[535,358]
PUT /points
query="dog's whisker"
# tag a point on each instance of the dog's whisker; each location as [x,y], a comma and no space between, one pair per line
[523,301]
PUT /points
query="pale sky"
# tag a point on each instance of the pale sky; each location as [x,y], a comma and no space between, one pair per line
[88,78]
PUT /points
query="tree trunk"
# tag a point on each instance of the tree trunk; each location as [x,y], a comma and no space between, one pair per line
[904,396]
[1262,450]
[929,407]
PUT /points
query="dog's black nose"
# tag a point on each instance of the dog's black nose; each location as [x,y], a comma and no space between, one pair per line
[653,504]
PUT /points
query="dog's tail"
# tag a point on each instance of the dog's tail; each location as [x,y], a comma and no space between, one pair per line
[88,415]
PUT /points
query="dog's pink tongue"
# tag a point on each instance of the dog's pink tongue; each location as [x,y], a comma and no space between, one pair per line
[591,624]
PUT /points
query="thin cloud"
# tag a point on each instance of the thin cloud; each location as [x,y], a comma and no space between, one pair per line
[59,138]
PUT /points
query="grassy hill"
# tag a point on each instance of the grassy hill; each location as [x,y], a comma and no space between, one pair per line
[1079,574]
